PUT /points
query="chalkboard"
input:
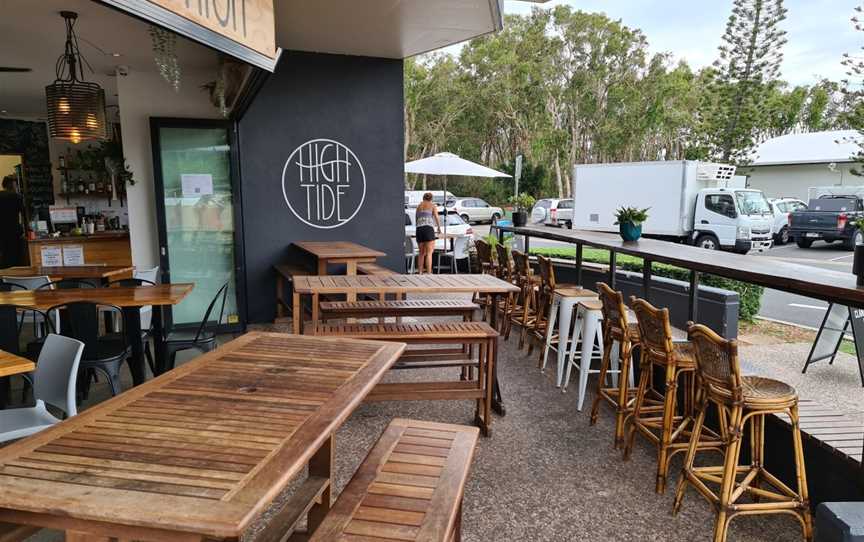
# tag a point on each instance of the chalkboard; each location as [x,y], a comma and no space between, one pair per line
[30,140]
[837,322]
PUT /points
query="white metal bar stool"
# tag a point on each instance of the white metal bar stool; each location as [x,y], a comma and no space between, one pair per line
[587,343]
[561,312]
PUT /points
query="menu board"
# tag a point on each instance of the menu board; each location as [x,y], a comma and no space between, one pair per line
[52,256]
[73,255]
[834,327]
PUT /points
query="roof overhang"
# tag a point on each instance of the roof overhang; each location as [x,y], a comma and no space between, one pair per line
[802,163]
[383,28]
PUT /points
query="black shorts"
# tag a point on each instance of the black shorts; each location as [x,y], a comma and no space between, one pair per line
[425,234]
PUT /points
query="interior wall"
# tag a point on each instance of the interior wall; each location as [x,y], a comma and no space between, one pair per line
[142,96]
[356,102]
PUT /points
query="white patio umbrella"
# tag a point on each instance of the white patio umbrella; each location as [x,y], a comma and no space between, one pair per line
[447,164]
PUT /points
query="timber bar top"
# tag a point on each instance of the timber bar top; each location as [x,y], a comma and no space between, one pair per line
[132,296]
[69,272]
[10,364]
[361,284]
[762,270]
[198,452]
[334,250]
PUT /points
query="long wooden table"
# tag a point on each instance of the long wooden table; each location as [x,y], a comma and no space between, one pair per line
[101,272]
[202,451]
[129,299]
[403,284]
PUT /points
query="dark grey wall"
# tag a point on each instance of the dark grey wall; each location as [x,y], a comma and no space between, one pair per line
[356,101]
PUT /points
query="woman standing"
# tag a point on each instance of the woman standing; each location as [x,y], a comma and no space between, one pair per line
[426,222]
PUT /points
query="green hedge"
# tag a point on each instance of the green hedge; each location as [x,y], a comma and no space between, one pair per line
[750,296]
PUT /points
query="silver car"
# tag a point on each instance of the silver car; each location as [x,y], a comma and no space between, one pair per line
[553,212]
[475,210]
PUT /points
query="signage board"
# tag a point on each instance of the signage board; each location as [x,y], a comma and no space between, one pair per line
[245,29]
[73,255]
[52,256]
[837,322]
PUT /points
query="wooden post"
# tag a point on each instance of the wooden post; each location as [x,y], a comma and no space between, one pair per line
[579,264]
[321,465]
[646,279]
[694,296]
[613,256]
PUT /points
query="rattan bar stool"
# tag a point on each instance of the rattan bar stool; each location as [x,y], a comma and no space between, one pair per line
[487,267]
[620,338]
[524,312]
[508,305]
[741,400]
[656,416]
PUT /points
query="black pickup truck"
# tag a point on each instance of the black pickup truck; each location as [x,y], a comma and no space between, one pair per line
[829,218]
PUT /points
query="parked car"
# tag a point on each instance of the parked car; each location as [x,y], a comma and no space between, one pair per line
[414,197]
[828,218]
[455,226]
[559,213]
[781,207]
[475,210]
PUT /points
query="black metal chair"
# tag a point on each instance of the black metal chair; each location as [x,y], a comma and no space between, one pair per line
[201,339]
[68,284]
[12,319]
[146,317]
[104,353]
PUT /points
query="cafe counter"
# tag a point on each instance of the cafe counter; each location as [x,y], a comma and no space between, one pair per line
[103,248]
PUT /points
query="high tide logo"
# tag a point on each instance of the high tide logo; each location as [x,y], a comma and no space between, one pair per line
[323,183]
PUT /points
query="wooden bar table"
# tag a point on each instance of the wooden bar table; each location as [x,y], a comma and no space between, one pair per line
[103,273]
[200,452]
[405,284]
[130,299]
[11,365]
[336,252]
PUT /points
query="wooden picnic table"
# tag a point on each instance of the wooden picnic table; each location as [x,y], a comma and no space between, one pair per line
[13,364]
[402,285]
[129,299]
[102,272]
[339,252]
[202,451]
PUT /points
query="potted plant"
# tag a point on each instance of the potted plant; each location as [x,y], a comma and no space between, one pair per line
[522,205]
[629,221]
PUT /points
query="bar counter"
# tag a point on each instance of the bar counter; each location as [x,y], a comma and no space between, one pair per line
[102,248]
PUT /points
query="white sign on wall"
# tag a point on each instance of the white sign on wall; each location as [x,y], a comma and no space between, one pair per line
[324,183]
[73,255]
[196,184]
[52,256]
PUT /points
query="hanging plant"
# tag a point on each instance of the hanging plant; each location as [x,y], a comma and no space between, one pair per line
[165,55]
[225,88]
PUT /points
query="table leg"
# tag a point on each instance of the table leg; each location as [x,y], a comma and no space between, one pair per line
[315,309]
[497,400]
[351,269]
[78,536]
[158,340]
[280,293]
[132,316]
[322,267]
[296,314]
[321,465]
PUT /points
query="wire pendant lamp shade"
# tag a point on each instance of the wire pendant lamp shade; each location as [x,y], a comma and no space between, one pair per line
[76,108]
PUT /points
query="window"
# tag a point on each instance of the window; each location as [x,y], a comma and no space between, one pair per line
[480,203]
[544,203]
[721,204]
[565,204]
[469,203]
[408,220]
[783,207]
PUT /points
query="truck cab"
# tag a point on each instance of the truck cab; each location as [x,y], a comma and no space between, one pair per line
[733,219]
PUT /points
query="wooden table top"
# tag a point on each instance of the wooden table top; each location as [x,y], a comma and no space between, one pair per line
[68,272]
[203,449]
[11,364]
[332,250]
[364,284]
[763,270]
[133,296]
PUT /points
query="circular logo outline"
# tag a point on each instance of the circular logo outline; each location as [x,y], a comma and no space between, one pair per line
[362,174]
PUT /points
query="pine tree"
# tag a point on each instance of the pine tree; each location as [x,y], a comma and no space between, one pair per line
[748,64]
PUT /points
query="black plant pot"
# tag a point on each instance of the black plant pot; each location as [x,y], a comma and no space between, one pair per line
[520,218]
[858,264]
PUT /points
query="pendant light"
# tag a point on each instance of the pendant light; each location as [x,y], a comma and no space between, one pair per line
[76,108]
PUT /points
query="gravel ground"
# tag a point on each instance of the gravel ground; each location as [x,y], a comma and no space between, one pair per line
[545,474]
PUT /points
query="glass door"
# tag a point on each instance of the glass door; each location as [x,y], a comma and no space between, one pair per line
[196,206]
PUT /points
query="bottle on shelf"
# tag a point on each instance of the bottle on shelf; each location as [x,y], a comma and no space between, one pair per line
[91,184]
[100,186]
[80,185]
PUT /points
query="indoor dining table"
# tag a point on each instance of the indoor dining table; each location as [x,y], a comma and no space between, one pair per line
[102,273]
[403,285]
[11,365]
[129,299]
[200,452]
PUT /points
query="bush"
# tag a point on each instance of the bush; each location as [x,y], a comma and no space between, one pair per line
[750,295]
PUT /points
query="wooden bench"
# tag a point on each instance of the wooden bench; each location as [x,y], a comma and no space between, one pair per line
[373,269]
[409,487]
[473,345]
[330,310]
[285,273]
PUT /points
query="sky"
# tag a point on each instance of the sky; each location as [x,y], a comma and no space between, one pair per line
[819,31]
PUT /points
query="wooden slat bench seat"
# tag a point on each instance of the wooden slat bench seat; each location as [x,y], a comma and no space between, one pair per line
[471,346]
[383,308]
[285,273]
[832,429]
[373,269]
[409,487]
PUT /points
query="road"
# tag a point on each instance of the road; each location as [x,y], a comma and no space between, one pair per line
[776,305]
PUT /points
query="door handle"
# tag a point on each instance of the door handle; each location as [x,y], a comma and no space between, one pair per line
[703,221]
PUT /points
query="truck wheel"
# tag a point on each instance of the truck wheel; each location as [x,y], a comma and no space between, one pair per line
[709,241]
[568,225]
[466,219]
[783,236]
[858,238]
[803,243]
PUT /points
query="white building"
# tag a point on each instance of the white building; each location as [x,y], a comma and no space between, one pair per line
[787,166]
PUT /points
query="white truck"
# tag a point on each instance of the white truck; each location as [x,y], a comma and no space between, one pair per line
[698,203]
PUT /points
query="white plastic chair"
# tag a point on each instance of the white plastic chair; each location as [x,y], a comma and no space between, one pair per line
[147,311]
[54,384]
[410,254]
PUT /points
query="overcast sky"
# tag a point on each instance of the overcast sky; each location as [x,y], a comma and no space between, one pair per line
[819,31]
